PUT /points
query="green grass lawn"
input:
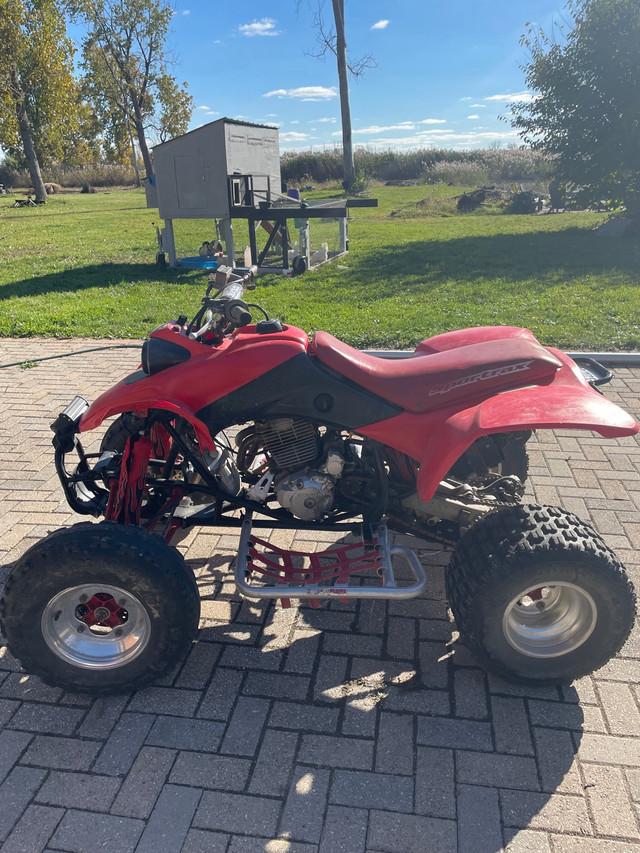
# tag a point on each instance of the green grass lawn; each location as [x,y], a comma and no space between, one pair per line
[83,265]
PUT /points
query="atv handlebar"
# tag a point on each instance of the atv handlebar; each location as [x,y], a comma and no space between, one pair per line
[227,307]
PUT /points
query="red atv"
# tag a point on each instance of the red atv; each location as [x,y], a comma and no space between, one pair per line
[323,436]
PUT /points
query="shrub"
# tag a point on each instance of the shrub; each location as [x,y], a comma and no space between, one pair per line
[466,168]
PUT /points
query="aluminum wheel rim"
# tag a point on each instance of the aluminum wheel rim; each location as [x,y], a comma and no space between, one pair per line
[550,619]
[97,646]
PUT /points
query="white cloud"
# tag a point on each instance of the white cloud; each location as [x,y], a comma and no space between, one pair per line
[296,121]
[478,106]
[473,116]
[305,93]
[444,138]
[293,136]
[212,113]
[325,120]
[515,96]
[380,25]
[184,12]
[374,128]
[265,27]
[469,98]
[203,108]
[433,121]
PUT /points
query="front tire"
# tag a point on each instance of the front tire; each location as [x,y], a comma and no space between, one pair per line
[100,608]
[538,596]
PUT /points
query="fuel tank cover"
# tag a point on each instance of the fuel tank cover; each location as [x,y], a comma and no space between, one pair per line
[268,327]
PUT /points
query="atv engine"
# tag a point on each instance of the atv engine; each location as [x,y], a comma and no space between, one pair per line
[312,472]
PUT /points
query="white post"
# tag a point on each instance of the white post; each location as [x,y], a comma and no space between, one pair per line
[344,235]
[168,242]
[227,231]
[305,250]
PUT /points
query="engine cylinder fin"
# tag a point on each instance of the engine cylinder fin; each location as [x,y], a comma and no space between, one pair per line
[290,442]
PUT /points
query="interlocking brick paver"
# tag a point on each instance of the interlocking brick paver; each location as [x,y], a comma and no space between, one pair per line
[61,753]
[237,813]
[295,715]
[344,830]
[406,745]
[329,751]
[554,755]
[221,694]
[274,764]
[526,841]
[170,820]
[177,733]
[556,812]
[219,772]
[12,745]
[123,744]
[403,833]
[244,844]
[87,832]
[33,830]
[305,806]
[245,726]
[499,771]
[457,734]
[606,793]
[511,728]
[144,781]
[435,782]
[368,790]
[16,792]
[165,700]
[79,791]
[53,719]
[202,841]
[395,747]
[479,829]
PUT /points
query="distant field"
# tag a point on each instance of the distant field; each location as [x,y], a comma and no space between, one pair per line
[83,265]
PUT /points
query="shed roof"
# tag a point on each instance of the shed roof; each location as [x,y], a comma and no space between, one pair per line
[217,121]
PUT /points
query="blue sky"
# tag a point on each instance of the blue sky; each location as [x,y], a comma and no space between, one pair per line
[446,70]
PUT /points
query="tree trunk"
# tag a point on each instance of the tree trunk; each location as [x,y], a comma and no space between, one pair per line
[134,155]
[138,123]
[345,110]
[26,135]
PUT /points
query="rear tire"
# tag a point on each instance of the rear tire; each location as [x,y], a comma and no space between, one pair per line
[100,608]
[538,596]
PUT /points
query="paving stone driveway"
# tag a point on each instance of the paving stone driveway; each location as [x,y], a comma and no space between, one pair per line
[348,729]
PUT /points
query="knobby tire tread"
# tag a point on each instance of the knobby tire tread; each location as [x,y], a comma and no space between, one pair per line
[108,540]
[499,542]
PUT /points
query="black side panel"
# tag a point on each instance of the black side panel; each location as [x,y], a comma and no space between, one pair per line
[303,388]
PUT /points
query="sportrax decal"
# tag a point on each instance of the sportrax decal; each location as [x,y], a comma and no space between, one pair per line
[483,376]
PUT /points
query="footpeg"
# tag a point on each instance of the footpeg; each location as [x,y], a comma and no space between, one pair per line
[265,571]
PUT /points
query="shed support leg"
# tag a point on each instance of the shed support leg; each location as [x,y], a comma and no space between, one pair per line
[168,242]
[344,235]
[305,250]
[227,231]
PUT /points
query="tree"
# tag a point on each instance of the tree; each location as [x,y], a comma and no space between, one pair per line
[125,62]
[587,115]
[38,93]
[336,43]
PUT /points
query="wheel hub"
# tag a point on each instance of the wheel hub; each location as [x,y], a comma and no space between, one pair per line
[550,621]
[119,626]
[102,609]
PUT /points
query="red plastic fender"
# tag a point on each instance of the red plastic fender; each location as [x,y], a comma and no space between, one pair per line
[208,375]
[437,439]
